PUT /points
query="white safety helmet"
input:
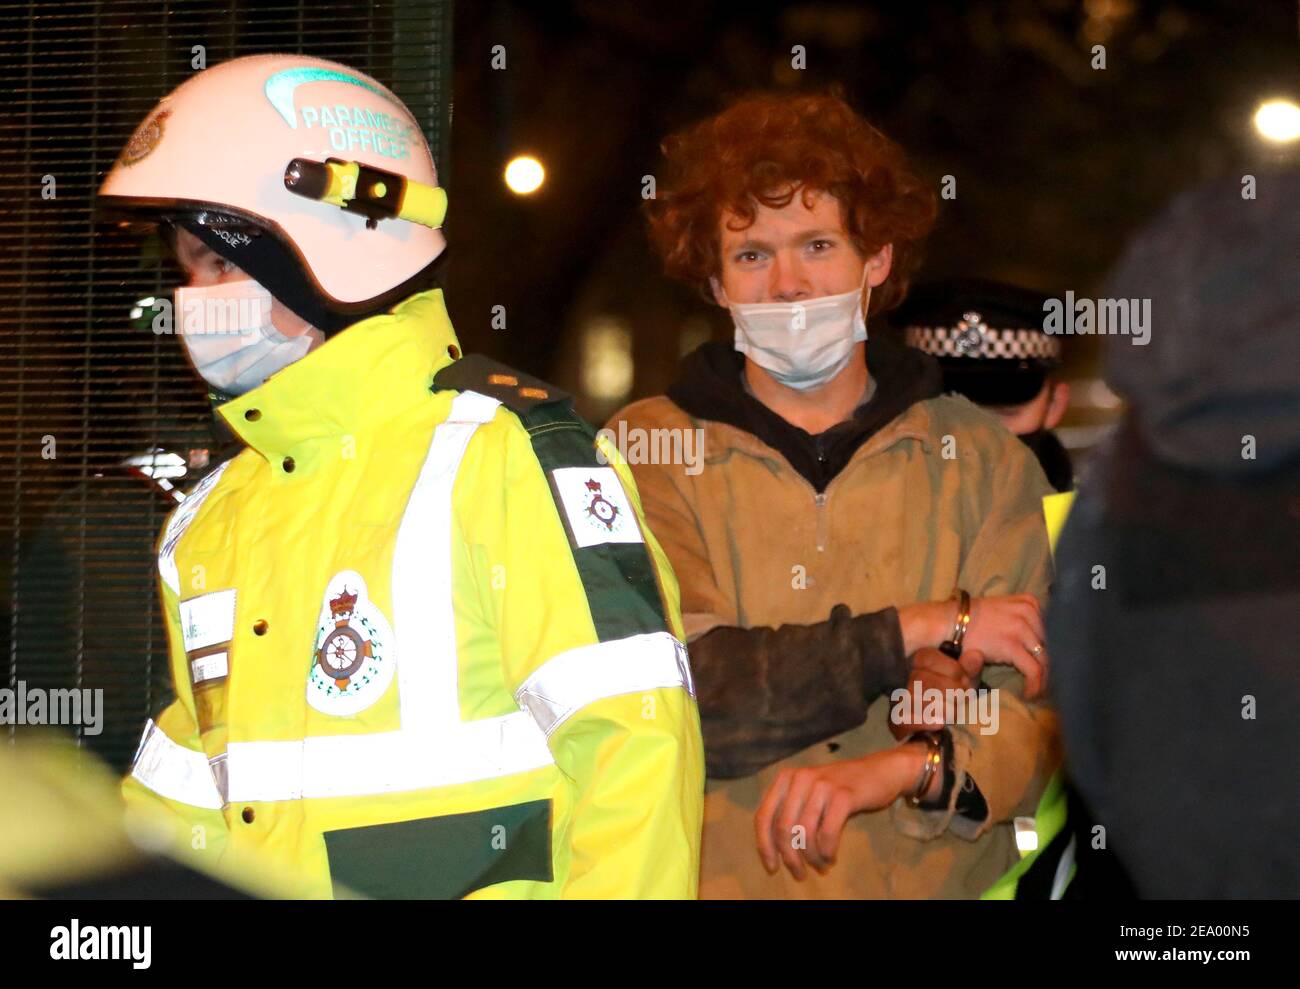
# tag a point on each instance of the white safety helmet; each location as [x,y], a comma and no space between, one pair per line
[310,176]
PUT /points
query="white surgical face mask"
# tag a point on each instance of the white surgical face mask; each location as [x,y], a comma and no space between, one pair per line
[802,345]
[228,333]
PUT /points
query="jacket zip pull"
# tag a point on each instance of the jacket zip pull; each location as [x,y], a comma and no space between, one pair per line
[820,499]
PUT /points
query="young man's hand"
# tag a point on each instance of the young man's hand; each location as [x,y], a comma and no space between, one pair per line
[1008,630]
[932,670]
[802,815]
[1005,629]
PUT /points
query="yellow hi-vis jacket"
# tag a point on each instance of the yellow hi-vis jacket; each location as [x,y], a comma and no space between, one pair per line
[422,641]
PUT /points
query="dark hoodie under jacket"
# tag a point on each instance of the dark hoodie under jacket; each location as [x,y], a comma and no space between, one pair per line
[1174,665]
[712,387]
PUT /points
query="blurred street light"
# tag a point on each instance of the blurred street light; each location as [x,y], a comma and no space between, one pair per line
[524,175]
[606,359]
[1278,121]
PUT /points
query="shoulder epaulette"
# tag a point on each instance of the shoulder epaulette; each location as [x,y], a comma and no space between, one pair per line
[519,392]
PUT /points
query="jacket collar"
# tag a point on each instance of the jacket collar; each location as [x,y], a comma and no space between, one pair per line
[371,371]
[710,388]
[723,439]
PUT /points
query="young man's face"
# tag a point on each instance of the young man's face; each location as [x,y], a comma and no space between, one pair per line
[794,253]
[203,267]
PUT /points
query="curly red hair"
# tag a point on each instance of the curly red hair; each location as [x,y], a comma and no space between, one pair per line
[764,149]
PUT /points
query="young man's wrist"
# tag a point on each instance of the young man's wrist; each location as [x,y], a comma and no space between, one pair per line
[909,766]
[925,625]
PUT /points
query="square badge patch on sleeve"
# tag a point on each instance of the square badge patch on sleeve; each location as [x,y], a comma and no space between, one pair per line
[595,505]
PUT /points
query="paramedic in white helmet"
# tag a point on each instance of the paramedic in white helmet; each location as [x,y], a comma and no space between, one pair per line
[422,642]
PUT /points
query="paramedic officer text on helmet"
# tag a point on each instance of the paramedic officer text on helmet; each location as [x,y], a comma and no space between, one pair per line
[422,641]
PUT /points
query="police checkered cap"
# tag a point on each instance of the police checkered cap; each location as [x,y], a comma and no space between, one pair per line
[982,342]
[980,322]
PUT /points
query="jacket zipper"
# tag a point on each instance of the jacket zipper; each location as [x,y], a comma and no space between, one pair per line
[820,498]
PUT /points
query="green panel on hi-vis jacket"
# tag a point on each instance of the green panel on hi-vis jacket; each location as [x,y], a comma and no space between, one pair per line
[442,858]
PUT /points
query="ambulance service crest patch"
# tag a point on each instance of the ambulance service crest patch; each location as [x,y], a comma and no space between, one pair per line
[354,659]
[596,506]
[601,508]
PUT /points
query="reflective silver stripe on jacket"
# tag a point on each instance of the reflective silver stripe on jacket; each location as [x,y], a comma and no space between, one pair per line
[572,680]
[180,521]
[173,771]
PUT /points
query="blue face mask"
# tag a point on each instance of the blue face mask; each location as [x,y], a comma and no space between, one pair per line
[227,331]
[803,345]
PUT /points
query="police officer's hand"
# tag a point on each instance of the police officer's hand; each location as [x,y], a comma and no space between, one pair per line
[1009,630]
[802,816]
[932,670]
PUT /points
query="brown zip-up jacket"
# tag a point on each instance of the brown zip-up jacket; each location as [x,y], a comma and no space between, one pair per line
[940,497]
